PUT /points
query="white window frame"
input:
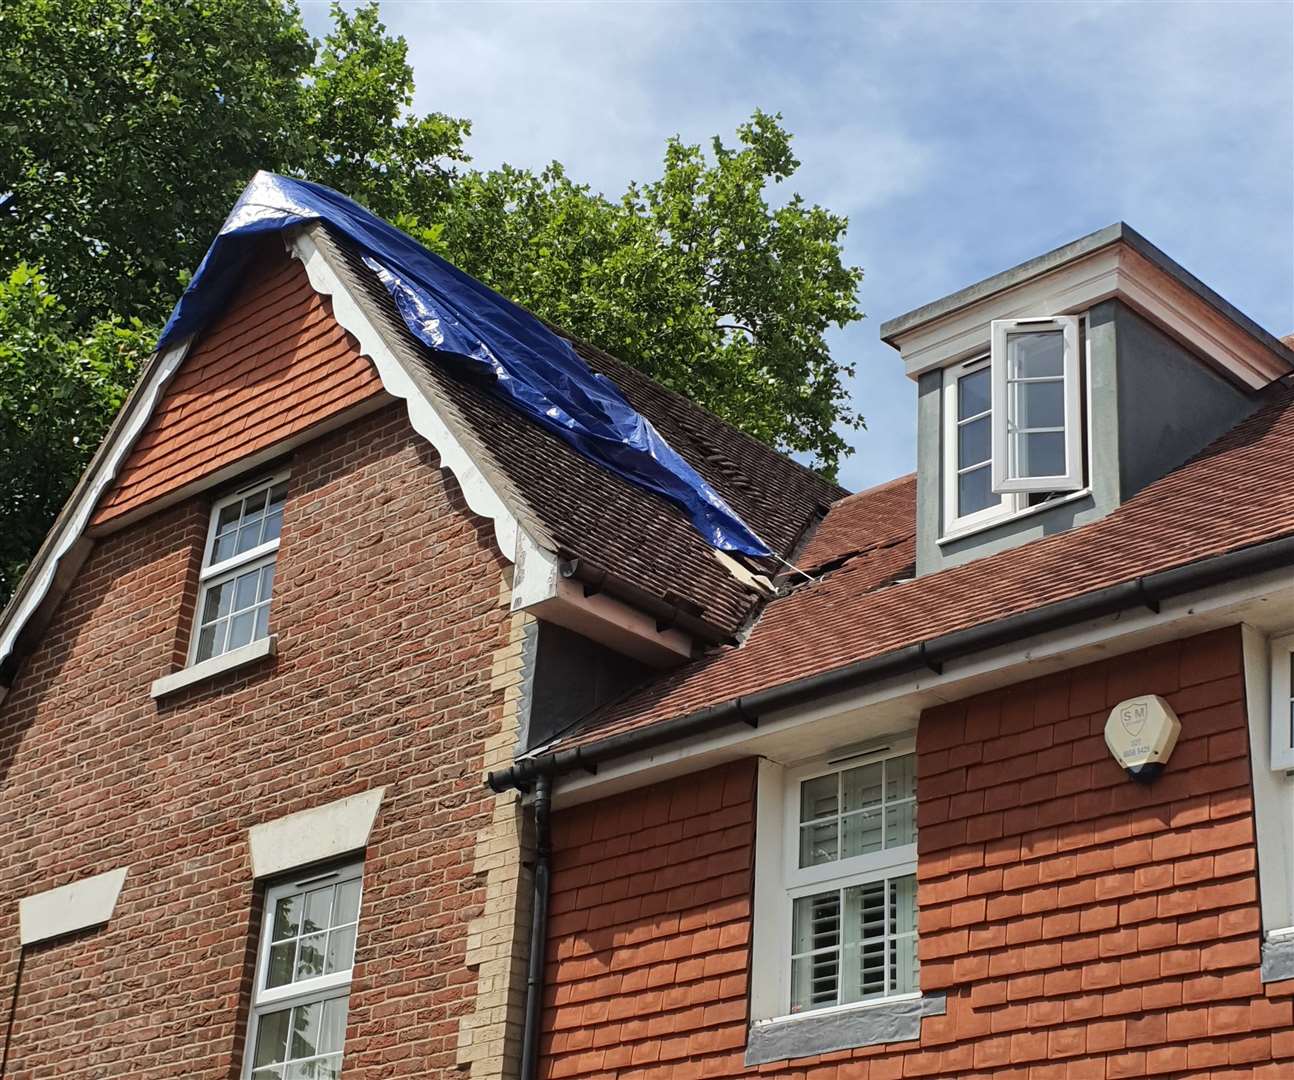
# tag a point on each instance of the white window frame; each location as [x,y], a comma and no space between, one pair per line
[1282,735]
[780,881]
[213,574]
[1007,504]
[306,991]
[1072,478]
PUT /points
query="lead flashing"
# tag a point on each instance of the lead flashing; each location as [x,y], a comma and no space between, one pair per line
[824,1033]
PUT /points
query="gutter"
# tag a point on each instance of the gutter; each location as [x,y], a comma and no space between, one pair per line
[1147,591]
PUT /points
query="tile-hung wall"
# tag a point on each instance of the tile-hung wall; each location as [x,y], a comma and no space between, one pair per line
[1079,925]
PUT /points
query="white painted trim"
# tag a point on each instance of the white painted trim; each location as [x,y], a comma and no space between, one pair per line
[1113,271]
[1004,480]
[217,665]
[84,903]
[769,972]
[311,836]
[1273,791]
[424,417]
[1282,739]
[103,473]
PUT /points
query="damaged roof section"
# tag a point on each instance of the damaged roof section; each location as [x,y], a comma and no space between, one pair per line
[1235,495]
[613,535]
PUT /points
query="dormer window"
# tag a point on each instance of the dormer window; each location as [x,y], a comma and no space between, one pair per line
[1013,423]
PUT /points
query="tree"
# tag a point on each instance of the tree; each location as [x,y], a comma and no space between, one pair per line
[60,386]
[693,277]
[128,127]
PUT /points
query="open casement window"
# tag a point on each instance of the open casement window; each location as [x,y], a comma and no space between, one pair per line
[1037,413]
[1282,707]
[238,569]
[303,973]
[850,853]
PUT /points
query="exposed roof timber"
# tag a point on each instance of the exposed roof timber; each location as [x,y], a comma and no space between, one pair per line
[1113,262]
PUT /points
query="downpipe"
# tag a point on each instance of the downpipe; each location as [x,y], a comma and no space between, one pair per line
[538,928]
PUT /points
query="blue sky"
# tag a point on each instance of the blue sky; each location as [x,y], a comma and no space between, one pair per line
[959,138]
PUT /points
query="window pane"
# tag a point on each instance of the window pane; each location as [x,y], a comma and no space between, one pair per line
[1040,454]
[973,394]
[318,909]
[333,1033]
[310,956]
[973,442]
[262,622]
[240,630]
[346,906]
[327,1068]
[207,641]
[816,923]
[818,843]
[305,1029]
[900,824]
[254,505]
[864,957]
[1036,355]
[818,797]
[862,833]
[267,582]
[285,916]
[861,786]
[245,590]
[814,978]
[272,1038]
[219,598]
[900,777]
[975,491]
[1040,404]
[282,957]
[903,948]
[223,548]
[249,536]
[341,950]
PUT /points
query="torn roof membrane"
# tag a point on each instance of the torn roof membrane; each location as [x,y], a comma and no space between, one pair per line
[533,369]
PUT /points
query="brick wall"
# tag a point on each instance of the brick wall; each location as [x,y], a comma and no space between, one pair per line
[273,365]
[1082,926]
[389,616]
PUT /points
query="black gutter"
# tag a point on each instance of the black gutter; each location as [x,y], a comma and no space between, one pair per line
[538,931]
[1141,592]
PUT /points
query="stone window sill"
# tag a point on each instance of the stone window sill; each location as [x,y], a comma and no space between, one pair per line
[1278,956]
[217,665]
[865,1024]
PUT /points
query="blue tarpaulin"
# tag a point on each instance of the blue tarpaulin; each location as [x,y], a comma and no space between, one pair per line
[534,370]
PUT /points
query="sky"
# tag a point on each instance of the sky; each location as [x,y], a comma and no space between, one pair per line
[959,138]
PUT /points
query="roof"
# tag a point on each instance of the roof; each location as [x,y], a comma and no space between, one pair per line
[881,517]
[585,513]
[1119,232]
[843,618]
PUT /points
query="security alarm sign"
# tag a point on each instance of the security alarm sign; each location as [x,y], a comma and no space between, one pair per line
[1141,734]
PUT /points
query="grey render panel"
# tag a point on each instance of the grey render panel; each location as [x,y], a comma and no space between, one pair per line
[572,676]
[1171,405]
[805,1036]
